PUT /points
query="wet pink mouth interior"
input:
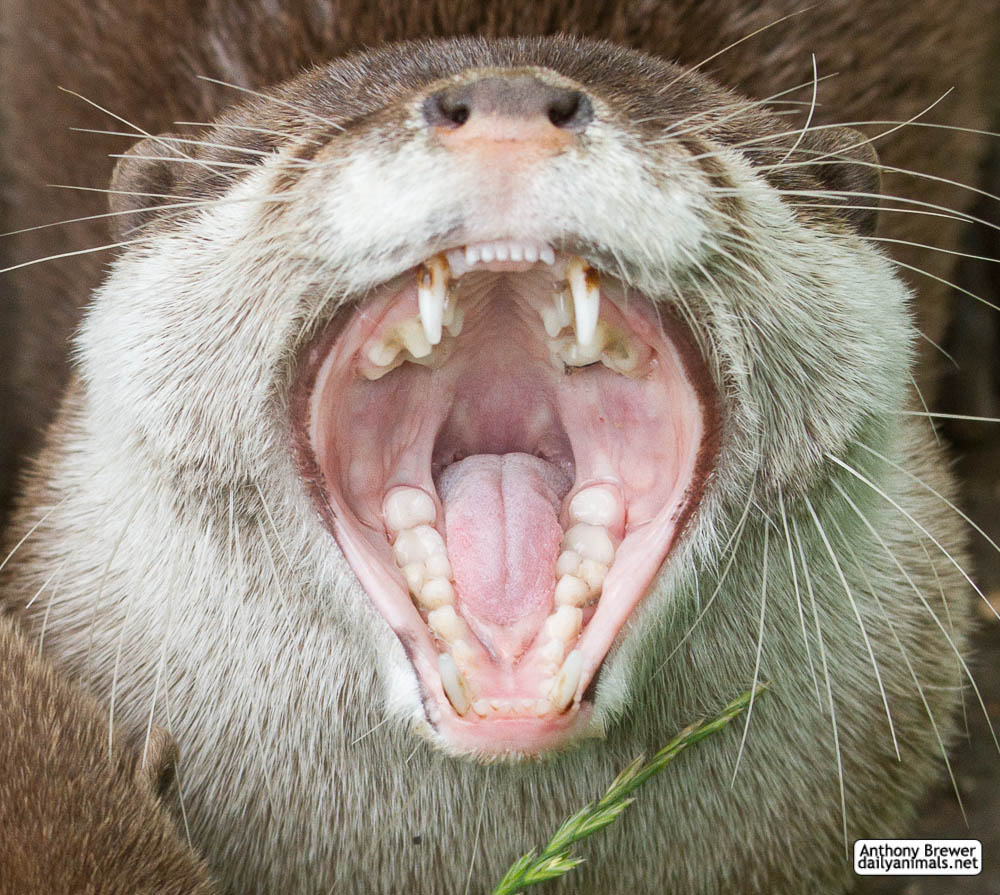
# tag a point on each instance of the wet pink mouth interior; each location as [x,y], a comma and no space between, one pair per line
[468,479]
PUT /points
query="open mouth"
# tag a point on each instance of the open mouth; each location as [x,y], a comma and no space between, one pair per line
[506,445]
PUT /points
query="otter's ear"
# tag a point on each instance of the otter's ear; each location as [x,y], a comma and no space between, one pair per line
[845,162]
[142,180]
[156,762]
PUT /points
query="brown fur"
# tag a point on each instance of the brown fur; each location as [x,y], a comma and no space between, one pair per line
[74,822]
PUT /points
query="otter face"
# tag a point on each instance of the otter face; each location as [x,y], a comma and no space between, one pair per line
[524,330]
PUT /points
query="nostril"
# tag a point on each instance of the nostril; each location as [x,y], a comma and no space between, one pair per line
[446,108]
[522,97]
[570,110]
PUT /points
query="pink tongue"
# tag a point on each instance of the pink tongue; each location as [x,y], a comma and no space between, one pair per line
[502,527]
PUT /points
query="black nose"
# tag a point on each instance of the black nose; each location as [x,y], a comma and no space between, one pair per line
[519,96]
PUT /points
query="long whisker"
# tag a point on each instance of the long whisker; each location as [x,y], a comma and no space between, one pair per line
[479,828]
[923,600]
[829,685]
[273,99]
[857,614]
[760,650]
[950,416]
[103,248]
[731,547]
[862,478]
[809,117]
[798,595]
[124,121]
[746,37]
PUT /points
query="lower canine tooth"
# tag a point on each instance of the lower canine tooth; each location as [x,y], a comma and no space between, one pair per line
[566,681]
[454,684]
[584,285]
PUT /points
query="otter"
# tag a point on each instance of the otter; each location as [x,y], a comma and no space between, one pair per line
[75,821]
[476,396]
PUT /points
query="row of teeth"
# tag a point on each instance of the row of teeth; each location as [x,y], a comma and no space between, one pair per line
[575,305]
[587,553]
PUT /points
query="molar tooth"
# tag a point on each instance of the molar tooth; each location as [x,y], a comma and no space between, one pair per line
[450,303]
[596,505]
[584,285]
[435,594]
[417,544]
[594,574]
[431,539]
[407,507]
[411,334]
[567,563]
[446,624]
[553,651]
[416,574]
[564,623]
[382,354]
[566,681]
[572,591]
[438,565]
[454,684]
[454,326]
[409,549]
[591,542]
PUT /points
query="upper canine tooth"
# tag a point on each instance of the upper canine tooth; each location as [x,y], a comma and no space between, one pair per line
[584,284]
[432,287]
